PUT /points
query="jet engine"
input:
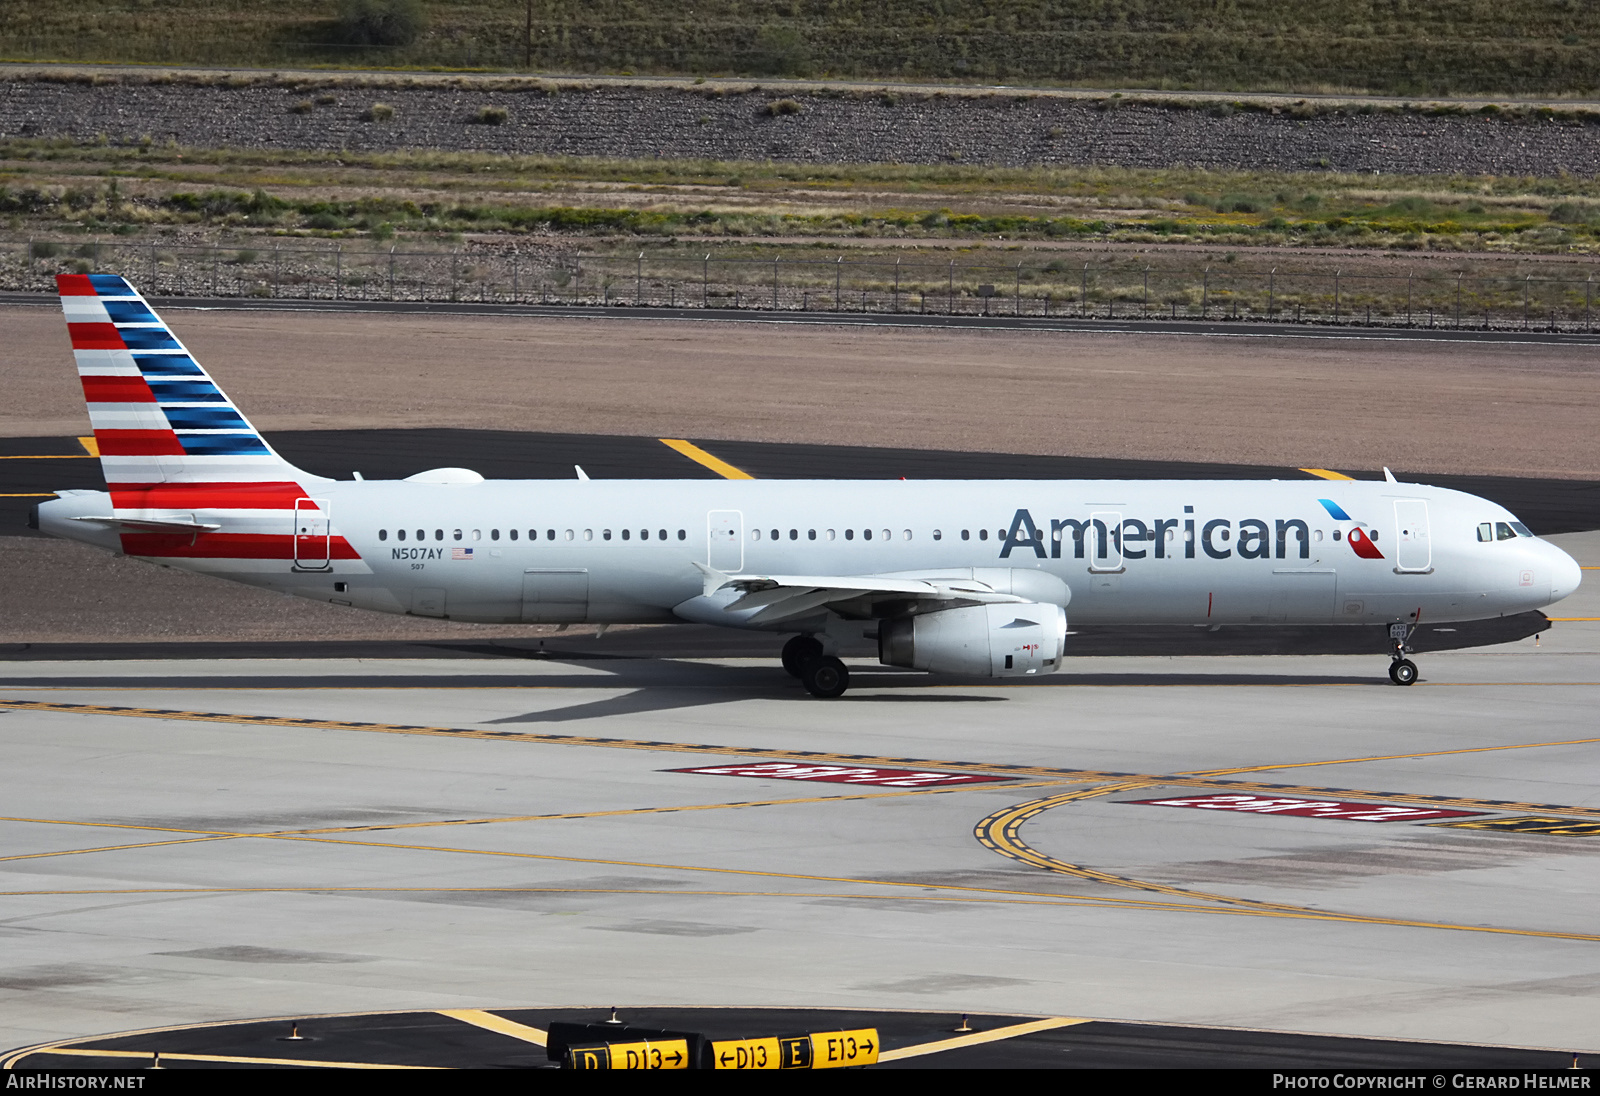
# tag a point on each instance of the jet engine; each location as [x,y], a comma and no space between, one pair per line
[1011,640]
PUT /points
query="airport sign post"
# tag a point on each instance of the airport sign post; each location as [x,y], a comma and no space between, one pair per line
[664,1054]
[827,1050]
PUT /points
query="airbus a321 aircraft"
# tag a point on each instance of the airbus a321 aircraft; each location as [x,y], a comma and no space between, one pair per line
[964,577]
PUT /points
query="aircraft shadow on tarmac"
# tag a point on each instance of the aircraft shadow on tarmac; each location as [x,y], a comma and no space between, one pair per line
[638,686]
[765,683]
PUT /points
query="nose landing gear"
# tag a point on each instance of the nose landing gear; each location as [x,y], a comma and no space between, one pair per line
[1402,671]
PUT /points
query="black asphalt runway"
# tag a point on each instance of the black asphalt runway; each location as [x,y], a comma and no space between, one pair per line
[1104,324]
[433,1039]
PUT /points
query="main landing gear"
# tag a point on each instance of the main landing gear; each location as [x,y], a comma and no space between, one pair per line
[821,674]
[1402,671]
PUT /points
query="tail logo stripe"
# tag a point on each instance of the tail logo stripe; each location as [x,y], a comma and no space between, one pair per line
[138,443]
[112,389]
[156,365]
[95,336]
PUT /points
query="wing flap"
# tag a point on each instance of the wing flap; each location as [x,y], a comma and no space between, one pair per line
[774,598]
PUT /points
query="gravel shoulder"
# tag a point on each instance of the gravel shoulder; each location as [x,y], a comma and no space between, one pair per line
[1003,128]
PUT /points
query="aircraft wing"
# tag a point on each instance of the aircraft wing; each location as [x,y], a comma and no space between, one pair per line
[777,598]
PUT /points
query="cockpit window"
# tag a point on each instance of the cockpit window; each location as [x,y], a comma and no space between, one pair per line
[1503,531]
[1486,531]
[1522,530]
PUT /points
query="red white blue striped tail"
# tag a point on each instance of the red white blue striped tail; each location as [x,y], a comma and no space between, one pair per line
[177,454]
[157,415]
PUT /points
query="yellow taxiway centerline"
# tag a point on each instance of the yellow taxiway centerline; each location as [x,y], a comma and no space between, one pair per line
[499,1024]
[1326,473]
[978,1038]
[701,457]
[1386,757]
[149,1056]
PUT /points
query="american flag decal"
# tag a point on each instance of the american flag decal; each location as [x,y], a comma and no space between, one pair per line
[461,553]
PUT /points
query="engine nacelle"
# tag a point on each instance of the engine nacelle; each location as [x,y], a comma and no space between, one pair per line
[987,640]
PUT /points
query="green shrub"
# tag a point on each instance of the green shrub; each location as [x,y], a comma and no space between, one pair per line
[780,107]
[43,249]
[378,112]
[782,51]
[302,107]
[380,22]
[490,116]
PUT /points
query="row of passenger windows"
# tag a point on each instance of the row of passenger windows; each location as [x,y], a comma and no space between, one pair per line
[869,534]
[533,534]
[661,534]
[1486,532]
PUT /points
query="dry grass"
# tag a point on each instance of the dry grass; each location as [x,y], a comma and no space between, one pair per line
[1520,47]
[58,185]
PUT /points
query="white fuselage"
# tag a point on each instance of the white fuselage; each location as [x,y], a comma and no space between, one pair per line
[1131,552]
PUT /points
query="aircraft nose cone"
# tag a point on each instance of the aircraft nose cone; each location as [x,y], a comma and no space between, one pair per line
[1565,575]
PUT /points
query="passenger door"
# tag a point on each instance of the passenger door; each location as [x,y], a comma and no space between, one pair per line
[1105,547]
[1413,547]
[311,534]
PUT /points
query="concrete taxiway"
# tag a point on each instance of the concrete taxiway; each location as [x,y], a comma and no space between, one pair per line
[190,841]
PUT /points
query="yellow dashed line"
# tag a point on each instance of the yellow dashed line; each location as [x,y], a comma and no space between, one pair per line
[978,1038]
[1326,473]
[700,456]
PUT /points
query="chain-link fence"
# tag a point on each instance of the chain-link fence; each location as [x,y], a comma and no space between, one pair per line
[1040,287]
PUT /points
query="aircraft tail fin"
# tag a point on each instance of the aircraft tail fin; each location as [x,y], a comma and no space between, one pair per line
[158,417]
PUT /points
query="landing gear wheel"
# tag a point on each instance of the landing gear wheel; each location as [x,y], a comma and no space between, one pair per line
[1402,671]
[827,677]
[799,651]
